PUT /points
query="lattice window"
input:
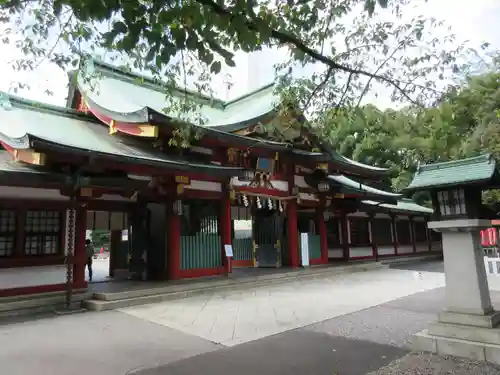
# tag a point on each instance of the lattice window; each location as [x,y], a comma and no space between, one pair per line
[43,232]
[403,232]
[382,231]
[7,232]
[333,233]
[199,216]
[420,228]
[360,232]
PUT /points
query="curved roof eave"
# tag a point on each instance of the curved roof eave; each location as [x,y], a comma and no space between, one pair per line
[136,106]
[402,205]
[140,116]
[26,126]
[365,190]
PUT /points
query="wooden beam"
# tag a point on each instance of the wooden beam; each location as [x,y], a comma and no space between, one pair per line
[138,130]
[28,156]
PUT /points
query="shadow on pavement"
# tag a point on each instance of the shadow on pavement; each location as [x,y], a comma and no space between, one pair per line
[292,353]
[436,266]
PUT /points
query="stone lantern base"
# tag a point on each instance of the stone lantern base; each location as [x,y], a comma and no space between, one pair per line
[469,327]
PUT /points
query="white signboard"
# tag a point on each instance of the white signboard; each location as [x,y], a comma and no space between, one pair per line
[304,245]
[229,250]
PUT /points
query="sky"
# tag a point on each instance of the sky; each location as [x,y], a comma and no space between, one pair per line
[474,21]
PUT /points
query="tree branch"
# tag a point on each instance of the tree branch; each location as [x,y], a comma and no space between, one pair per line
[287,39]
[318,87]
[346,88]
[367,86]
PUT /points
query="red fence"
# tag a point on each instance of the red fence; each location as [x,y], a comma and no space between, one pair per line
[489,237]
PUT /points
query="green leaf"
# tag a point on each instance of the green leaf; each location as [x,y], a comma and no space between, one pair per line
[215,68]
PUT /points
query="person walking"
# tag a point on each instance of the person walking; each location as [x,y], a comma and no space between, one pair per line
[89,252]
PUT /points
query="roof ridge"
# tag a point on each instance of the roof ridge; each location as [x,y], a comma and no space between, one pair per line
[154,84]
[248,94]
[157,85]
[34,105]
[452,163]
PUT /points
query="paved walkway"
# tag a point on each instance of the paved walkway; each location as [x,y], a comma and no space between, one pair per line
[46,275]
[234,317]
[359,325]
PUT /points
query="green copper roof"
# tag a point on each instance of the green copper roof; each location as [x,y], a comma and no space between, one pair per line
[24,123]
[479,169]
[123,93]
[360,188]
[128,97]
[404,205]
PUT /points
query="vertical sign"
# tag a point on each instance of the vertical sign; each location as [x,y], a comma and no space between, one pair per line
[304,246]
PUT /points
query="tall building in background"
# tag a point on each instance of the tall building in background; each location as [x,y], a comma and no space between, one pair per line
[260,70]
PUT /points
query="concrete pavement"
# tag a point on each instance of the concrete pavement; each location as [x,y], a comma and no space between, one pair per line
[235,317]
[352,344]
[46,275]
[108,343]
[349,324]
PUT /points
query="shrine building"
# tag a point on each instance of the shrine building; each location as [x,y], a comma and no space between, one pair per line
[106,161]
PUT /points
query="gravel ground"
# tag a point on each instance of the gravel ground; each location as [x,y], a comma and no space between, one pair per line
[430,364]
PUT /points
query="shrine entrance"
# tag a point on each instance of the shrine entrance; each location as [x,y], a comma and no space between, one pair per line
[268,234]
[108,231]
[258,236]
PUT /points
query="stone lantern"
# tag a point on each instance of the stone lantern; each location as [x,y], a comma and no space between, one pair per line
[468,327]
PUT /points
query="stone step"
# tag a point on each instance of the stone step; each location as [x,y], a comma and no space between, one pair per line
[110,301]
[402,260]
[38,300]
[463,332]
[480,351]
[34,305]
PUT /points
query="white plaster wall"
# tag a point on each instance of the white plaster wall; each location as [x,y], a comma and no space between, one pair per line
[335,253]
[277,184]
[405,249]
[106,220]
[50,194]
[308,197]
[280,185]
[357,214]
[386,250]
[365,251]
[204,185]
[30,193]
[300,181]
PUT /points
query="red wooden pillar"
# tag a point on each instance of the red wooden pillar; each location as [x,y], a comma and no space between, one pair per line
[291,215]
[322,235]
[346,236]
[80,256]
[115,237]
[225,230]
[174,242]
[394,234]
[371,218]
[293,233]
[411,223]
[429,235]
